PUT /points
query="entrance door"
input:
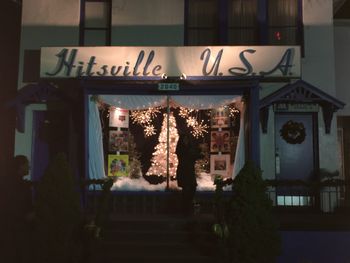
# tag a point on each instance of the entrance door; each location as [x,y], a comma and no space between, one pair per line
[50,136]
[295,142]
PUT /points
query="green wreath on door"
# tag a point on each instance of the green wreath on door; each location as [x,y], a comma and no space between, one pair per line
[293,132]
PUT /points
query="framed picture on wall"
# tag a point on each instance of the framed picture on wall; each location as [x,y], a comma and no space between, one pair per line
[220,118]
[118,165]
[118,141]
[220,141]
[220,164]
[118,118]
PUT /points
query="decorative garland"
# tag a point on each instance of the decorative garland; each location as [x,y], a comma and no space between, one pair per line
[293,132]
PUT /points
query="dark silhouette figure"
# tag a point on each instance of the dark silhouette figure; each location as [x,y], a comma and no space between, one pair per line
[187,152]
[18,209]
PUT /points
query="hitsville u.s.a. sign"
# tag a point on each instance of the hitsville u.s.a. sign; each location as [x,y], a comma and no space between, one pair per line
[153,62]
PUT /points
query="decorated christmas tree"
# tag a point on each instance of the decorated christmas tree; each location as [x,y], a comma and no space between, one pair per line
[159,159]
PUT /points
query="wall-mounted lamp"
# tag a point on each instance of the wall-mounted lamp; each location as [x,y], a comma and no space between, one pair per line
[164,76]
[183,76]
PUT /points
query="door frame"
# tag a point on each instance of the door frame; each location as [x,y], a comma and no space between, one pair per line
[315,140]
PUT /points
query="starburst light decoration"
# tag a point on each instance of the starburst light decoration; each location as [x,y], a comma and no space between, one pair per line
[191,121]
[233,111]
[144,118]
[149,130]
[198,128]
[185,112]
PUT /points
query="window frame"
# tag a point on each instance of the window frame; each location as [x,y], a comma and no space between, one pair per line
[262,24]
[83,28]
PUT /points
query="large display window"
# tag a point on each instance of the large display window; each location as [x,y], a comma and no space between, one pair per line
[133,138]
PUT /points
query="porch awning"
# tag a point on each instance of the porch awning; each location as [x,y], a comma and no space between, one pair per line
[301,92]
[41,92]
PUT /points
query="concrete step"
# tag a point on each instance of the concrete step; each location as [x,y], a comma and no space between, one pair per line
[146,249]
[145,225]
[147,235]
[137,258]
[161,238]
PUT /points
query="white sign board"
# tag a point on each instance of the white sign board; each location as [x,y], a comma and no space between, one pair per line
[153,62]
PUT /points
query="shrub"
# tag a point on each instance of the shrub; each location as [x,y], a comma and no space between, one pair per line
[58,212]
[253,235]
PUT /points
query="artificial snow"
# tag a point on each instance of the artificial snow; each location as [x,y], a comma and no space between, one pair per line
[204,183]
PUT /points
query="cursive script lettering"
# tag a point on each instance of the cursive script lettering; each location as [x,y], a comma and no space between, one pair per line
[247,69]
[68,65]
[206,55]
[284,65]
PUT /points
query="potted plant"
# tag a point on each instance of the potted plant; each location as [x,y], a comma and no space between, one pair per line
[329,189]
[58,213]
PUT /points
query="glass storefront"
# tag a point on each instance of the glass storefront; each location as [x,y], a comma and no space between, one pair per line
[133,138]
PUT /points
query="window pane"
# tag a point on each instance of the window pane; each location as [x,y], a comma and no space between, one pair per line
[202,13]
[96,14]
[283,22]
[202,28]
[283,12]
[242,22]
[242,13]
[200,36]
[283,35]
[242,36]
[95,38]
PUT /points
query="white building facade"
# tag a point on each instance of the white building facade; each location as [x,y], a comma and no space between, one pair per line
[287,125]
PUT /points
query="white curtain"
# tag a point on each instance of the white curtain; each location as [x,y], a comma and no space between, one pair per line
[96,162]
[240,149]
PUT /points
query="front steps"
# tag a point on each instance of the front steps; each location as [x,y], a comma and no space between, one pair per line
[155,238]
[146,202]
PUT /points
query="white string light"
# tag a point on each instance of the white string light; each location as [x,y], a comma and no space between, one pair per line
[198,129]
[144,118]
[158,162]
[149,130]
[233,111]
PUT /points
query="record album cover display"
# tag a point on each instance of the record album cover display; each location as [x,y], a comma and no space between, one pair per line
[220,164]
[119,118]
[220,141]
[220,118]
[118,141]
[118,165]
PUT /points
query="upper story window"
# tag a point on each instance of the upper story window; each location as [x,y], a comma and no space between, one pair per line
[95,26]
[202,22]
[284,22]
[243,22]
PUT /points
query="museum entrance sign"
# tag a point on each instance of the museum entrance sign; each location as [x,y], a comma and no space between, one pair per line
[154,62]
